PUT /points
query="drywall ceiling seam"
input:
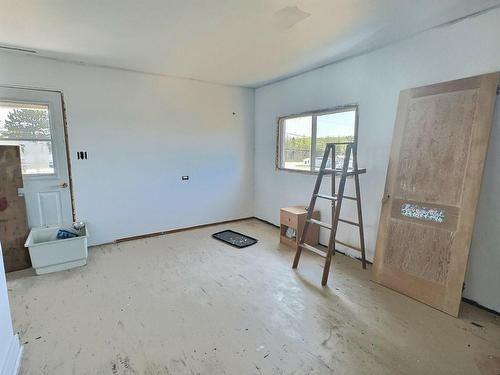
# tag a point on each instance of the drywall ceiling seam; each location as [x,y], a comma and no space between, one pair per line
[20,51]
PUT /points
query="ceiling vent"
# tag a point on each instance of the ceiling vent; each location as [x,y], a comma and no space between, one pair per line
[288,17]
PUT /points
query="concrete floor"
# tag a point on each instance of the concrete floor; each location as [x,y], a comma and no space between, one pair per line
[185,303]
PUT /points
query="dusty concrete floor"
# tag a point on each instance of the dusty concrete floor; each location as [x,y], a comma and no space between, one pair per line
[185,303]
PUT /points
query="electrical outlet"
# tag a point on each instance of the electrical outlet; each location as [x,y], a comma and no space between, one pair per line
[81,155]
[185,178]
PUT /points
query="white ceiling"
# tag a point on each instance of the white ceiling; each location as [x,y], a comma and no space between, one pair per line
[236,42]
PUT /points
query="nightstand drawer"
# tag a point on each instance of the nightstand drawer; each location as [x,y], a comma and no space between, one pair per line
[289,219]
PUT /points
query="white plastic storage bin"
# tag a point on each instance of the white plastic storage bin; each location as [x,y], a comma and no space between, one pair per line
[49,254]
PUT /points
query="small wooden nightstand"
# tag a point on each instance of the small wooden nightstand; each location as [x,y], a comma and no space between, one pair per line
[295,217]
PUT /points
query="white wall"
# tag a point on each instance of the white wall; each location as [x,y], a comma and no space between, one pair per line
[374,81]
[10,350]
[142,132]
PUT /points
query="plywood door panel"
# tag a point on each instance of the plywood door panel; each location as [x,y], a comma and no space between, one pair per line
[13,225]
[432,188]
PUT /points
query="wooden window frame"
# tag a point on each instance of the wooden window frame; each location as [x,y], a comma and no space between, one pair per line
[314,115]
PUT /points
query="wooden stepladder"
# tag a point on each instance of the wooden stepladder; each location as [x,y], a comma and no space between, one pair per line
[336,198]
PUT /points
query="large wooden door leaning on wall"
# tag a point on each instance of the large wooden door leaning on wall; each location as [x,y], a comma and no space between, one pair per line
[432,189]
[13,226]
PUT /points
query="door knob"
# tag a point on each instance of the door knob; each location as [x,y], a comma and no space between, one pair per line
[64,185]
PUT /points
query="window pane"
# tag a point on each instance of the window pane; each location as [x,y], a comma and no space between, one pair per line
[27,125]
[24,121]
[296,151]
[36,156]
[334,128]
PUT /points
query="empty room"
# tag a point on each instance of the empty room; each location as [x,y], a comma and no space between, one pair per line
[249,187]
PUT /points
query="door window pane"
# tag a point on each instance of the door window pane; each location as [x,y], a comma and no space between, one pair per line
[36,156]
[297,134]
[28,126]
[336,127]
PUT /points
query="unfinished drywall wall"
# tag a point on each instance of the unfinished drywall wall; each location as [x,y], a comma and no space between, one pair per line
[373,81]
[10,350]
[142,133]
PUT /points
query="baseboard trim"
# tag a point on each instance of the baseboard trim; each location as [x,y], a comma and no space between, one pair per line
[266,222]
[478,305]
[147,235]
[12,362]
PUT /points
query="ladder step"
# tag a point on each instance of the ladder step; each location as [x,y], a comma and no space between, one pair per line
[338,171]
[313,249]
[351,198]
[348,245]
[320,223]
[334,198]
[349,222]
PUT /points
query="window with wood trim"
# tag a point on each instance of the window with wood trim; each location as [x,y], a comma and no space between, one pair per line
[302,138]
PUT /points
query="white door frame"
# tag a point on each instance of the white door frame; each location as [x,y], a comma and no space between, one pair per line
[61,156]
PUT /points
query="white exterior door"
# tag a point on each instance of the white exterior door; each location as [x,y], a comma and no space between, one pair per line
[33,119]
